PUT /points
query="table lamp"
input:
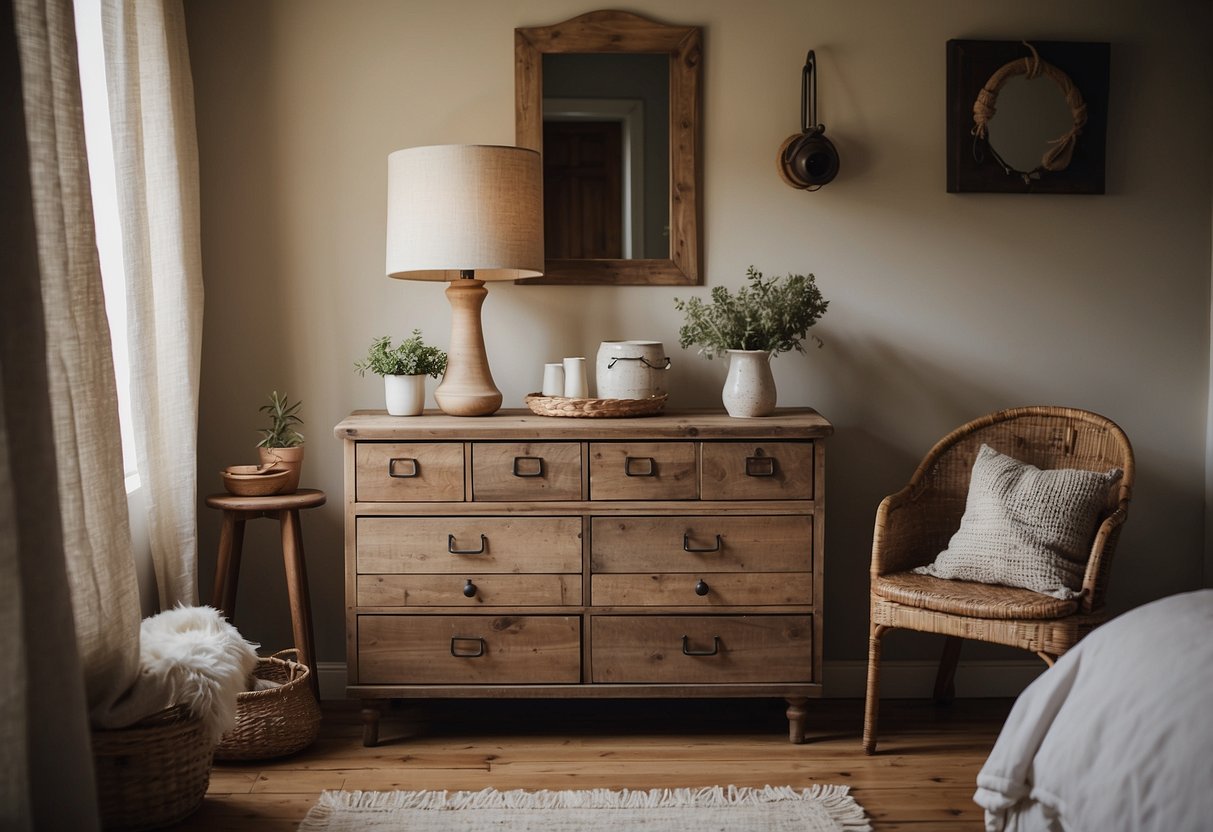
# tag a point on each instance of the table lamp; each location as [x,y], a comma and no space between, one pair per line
[465,214]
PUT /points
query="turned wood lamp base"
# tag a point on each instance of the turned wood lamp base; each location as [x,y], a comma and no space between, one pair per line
[467,387]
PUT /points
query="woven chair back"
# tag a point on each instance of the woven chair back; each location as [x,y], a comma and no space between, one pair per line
[1047,437]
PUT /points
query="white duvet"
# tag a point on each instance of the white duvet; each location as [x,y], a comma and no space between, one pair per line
[1118,735]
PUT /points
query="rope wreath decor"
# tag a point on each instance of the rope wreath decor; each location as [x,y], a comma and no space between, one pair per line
[1058,156]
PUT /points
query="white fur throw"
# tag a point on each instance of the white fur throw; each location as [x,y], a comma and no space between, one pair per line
[200,660]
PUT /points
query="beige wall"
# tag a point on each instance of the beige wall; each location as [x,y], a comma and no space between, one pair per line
[943,306]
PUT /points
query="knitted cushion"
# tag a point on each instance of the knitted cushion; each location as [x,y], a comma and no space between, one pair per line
[1025,527]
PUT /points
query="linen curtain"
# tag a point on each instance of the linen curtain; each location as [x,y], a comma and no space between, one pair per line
[156,161]
[69,602]
[59,443]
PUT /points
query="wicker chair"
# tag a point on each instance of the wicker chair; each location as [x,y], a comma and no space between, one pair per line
[915,524]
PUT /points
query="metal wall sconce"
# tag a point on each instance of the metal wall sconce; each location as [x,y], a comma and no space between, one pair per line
[807,160]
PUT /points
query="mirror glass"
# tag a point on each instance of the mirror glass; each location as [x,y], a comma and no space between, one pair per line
[606,156]
[1030,114]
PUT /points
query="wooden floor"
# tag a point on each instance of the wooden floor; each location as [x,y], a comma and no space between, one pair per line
[921,779]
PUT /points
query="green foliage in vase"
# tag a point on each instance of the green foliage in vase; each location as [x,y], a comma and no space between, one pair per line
[411,358]
[284,416]
[769,314]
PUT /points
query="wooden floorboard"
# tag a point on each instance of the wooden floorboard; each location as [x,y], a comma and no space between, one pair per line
[922,779]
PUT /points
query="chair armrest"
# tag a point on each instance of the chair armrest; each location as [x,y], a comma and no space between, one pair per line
[1099,563]
[908,531]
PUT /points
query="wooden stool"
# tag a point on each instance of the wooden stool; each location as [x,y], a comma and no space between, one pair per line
[284,507]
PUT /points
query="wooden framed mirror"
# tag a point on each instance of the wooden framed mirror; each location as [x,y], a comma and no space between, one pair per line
[622,175]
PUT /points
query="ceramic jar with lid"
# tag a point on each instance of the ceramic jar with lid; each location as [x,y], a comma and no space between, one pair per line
[631,369]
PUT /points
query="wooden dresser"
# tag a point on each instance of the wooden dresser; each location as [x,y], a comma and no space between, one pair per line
[527,556]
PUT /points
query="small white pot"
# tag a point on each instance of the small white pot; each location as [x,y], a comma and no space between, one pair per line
[405,395]
[749,388]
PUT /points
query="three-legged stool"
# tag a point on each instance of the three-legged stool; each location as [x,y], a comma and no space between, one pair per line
[285,508]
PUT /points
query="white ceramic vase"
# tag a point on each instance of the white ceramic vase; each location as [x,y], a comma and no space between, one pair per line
[749,388]
[405,395]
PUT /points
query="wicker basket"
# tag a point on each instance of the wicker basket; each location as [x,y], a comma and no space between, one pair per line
[153,773]
[594,408]
[276,721]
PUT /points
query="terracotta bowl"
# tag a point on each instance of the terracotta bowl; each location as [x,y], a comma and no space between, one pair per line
[259,470]
[255,485]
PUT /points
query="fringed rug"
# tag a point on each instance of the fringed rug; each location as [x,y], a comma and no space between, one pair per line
[712,809]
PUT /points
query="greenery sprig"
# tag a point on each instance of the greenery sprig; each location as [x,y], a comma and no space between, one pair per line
[283,417]
[411,358]
[773,315]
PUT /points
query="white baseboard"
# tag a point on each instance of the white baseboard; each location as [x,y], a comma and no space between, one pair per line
[848,679]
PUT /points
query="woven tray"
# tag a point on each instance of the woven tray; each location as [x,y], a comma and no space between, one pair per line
[594,408]
[153,773]
[276,721]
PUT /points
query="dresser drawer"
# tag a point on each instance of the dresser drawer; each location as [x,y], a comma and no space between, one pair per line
[707,589]
[472,590]
[413,472]
[457,545]
[526,471]
[468,649]
[702,649]
[643,471]
[732,543]
[757,471]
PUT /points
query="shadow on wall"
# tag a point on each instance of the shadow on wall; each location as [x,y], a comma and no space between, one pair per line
[883,430]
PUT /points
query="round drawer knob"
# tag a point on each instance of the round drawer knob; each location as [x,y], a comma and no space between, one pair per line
[701,587]
[469,589]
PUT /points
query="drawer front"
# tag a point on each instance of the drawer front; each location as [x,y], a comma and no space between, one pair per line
[458,545]
[757,471]
[526,471]
[414,472]
[782,543]
[709,589]
[702,648]
[468,590]
[643,471]
[468,649]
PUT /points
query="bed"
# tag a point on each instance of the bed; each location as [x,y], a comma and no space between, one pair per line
[1118,735]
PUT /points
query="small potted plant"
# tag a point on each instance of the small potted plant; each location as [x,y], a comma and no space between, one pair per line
[281,443]
[404,369]
[765,317]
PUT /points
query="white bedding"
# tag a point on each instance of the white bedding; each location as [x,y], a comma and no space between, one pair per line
[1118,735]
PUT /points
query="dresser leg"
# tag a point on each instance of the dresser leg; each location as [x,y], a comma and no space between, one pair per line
[796,718]
[370,722]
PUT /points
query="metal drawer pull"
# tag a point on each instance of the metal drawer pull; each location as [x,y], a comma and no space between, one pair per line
[464,655]
[469,589]
[760,465]
[414,471]
[687,547]
[687,651]
[538,472]
[651,471]
[450,546]
[701,587]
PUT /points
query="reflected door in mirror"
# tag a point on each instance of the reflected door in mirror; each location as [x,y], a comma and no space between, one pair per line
[582,189]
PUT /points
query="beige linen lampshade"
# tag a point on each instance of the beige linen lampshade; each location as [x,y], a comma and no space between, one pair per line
[465,214]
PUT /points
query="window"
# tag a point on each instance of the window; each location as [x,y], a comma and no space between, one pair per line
[105,212]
